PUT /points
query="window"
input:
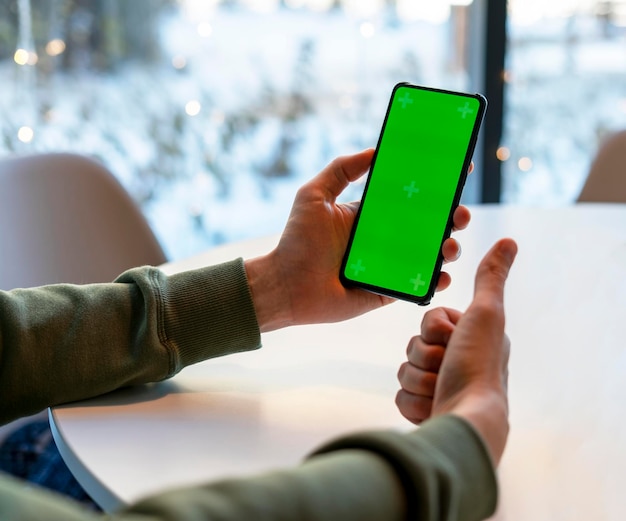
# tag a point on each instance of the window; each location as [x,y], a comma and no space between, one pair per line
[212,113]
[565,91]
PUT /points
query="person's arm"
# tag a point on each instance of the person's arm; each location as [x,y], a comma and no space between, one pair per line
[459,363]
[64,342]
[441,472]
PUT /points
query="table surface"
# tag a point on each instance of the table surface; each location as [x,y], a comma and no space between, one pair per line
[250,412]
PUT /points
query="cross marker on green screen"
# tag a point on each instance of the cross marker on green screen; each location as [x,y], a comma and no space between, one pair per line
[405,100]
[417,282]
[465,110]
[358,267]
[411,189]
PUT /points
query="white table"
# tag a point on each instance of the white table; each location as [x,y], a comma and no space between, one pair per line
[566,316]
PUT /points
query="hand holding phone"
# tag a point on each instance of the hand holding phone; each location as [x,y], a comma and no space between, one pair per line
[415,182]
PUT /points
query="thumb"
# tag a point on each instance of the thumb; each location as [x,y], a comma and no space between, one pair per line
[493,271]
[342,171]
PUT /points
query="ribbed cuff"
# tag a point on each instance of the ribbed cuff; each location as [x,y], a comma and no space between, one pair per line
[209,312]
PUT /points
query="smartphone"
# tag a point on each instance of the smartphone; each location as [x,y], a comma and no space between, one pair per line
[414,185]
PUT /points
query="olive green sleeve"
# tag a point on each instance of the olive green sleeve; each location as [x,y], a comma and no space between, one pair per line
[66,342]
[440,472]
[444,466]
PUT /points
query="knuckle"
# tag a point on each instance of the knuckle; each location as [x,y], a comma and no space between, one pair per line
[439,323]
[495,270]
[411,346]
[402,372]
[436,323]
[432,359]
[414,408]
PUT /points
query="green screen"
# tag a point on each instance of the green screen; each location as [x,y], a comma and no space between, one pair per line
[422,153]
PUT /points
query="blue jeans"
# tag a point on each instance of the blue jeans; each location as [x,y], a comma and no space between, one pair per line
[30,454]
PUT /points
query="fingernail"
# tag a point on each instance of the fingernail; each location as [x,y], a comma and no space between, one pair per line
[508,249]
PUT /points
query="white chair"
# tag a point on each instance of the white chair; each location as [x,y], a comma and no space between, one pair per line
[66,218]
[606,181]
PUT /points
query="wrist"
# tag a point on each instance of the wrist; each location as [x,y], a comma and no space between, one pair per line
[271,302]
[488,413]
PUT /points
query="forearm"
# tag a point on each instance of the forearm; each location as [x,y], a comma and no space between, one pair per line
[444,467]
[62,343]
[488,413]
[441,472]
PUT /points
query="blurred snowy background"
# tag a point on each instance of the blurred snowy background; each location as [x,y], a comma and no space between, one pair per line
[566,89]
[213,112]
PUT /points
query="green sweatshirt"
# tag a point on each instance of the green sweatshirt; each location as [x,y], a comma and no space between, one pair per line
[146,327]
